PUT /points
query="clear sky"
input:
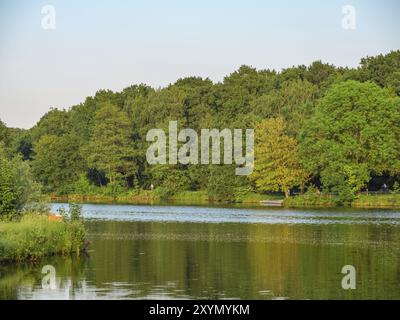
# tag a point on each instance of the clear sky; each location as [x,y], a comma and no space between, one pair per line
[111,44]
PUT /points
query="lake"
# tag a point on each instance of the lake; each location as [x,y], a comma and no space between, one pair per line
[200,252]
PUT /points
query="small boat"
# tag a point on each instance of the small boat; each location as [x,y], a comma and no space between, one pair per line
[272,203]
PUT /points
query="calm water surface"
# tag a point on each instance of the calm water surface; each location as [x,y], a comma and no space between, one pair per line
[182,252]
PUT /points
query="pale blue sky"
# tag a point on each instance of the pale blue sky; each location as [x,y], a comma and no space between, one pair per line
[111,44]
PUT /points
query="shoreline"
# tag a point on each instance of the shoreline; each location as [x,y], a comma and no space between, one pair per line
[384,201]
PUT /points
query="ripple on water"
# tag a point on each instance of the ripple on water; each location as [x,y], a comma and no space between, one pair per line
[263,215]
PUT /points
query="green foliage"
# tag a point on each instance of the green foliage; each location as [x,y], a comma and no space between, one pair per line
[396,187]
[115,185]
[292,100]
[55,122]
[73,214]
[18,191]
[225,185]
[313,197]
[35,237]
[377,201]
[168,181]
[383,70]
[21,143]
[4,133]
[66,162]
[111,149]
[277,166]
[8,195]
[340,124]
[82,185]
[320,74]
[353,134]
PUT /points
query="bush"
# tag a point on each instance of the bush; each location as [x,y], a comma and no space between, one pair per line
[377,201]
[164,192]
[169,181]
[396,187]
[345,195]
[311,198]
[18,191]
[225,185]
[73,214]
[34,236]
[83,186]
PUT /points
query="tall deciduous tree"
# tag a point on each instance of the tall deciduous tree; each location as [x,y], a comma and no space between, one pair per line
[276,166]
[18,191]
[55,122]
[355,132]
[111,147]
[4,134]
[57,162]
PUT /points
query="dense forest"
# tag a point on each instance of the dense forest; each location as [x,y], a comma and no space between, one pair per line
[319,127]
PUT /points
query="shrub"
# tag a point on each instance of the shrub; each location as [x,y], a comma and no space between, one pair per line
[18,191]
[396,187]
[224,185]
[34,236]
[73,214]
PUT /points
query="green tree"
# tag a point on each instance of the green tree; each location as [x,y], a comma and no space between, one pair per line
[21,143]
[224,185]
[384,70]
[57,162]
[3,132]
[354,132]
[8,194]
[55,122]
[319,73]
[18,191]
[111,148]
[169,180]
[276,166]
[294,101]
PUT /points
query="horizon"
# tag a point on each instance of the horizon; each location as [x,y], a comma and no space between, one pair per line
[157,43]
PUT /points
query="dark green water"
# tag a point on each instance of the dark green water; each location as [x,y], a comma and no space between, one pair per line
[221,253]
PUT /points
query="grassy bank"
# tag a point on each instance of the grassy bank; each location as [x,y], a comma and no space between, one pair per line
[149,197]
[377,201]
[304,201]
[361,201]
[34,237]
[201,197]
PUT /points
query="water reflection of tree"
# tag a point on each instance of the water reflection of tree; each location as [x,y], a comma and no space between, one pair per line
[24,279]
[249,261]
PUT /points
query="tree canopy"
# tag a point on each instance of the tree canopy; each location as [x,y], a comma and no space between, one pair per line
[339,125]
[353,133]
[277,163]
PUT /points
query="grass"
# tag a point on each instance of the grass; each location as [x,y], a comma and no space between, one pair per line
[191,197]
[253,197]
[361,201]
[34,237]
[142,197]
[150,197]
[201,197]
[377,201]
[304,201]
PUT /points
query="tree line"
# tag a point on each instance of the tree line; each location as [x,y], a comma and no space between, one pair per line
[317,127]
